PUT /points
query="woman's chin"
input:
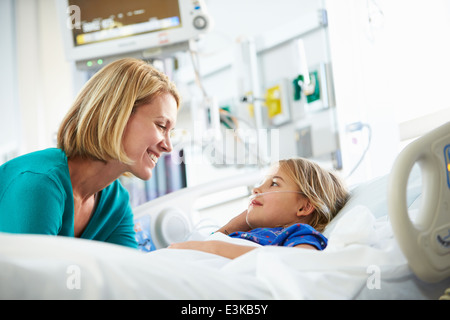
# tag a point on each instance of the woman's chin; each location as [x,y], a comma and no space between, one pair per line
[147,175]
[144,174]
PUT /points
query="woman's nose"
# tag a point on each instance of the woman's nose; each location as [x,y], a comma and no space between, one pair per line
[166,144]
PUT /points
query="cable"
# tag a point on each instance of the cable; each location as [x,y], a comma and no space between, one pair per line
[222,117]
[358,126]
[199,227]
[198,80]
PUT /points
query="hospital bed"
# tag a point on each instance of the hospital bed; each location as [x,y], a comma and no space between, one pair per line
[391,241]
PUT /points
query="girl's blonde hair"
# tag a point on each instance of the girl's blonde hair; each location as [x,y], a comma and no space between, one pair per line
[94,126]
[324,189]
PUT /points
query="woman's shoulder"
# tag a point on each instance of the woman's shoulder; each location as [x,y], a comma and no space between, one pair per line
[41,161]
[44,166]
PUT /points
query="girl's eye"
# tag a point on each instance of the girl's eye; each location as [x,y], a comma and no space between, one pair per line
[274,184]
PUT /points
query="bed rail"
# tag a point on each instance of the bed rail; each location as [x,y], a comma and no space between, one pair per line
[171,215]
[425,241]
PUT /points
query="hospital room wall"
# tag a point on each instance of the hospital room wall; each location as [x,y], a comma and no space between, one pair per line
[42,79]
[9,115]
[391,73]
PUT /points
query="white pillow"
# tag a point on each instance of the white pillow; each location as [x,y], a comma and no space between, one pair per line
[374,195]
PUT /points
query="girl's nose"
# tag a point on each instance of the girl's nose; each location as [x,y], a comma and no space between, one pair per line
[256,190]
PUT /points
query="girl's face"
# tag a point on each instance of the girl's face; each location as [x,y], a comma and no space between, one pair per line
[276,209]
[147,134]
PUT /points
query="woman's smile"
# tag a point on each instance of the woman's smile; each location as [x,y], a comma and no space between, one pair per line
[153,157]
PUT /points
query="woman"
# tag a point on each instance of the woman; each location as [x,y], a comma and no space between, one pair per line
[290,208]
[119,123]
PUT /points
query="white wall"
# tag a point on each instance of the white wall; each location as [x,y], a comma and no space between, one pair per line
[390,73]
[9,106]
[44,76]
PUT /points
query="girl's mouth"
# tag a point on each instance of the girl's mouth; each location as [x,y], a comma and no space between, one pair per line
[256,203]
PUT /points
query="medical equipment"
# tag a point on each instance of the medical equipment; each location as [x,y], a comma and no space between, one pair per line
[365,258]
[426,240]
[95,34]
[262,194]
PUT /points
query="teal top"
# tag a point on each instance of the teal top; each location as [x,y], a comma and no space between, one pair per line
[36,197]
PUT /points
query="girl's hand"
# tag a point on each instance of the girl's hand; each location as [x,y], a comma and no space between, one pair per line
[238,223]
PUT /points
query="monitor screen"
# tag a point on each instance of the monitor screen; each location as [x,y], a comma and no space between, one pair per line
[107,29]
[120,19]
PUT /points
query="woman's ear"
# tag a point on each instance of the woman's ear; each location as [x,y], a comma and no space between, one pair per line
[306,208]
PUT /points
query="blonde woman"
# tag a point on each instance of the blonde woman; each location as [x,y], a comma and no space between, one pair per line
[291,207]
[119,123]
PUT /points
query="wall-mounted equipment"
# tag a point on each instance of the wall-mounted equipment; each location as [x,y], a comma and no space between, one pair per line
[277,101]
[319,92]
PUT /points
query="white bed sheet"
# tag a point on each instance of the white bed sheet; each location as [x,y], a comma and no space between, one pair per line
[39,267]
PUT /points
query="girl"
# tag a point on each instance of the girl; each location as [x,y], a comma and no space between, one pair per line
[290,207]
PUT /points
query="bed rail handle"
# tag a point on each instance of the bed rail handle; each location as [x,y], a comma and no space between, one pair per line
[425,241]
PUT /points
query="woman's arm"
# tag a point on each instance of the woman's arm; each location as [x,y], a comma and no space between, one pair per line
[33,203]
[221,248]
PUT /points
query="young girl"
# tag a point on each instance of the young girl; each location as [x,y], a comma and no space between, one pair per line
[290,207]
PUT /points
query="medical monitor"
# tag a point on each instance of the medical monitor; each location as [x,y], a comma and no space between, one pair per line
[96,30]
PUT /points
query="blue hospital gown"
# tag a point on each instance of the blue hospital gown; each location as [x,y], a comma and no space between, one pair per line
[288,237]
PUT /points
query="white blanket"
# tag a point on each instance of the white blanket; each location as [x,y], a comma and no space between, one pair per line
[361,255]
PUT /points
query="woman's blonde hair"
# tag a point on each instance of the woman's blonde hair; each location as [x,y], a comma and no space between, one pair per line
[94,126]
[324,189]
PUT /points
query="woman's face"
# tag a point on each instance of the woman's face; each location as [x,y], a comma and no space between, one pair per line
[275,209]
[147,134]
